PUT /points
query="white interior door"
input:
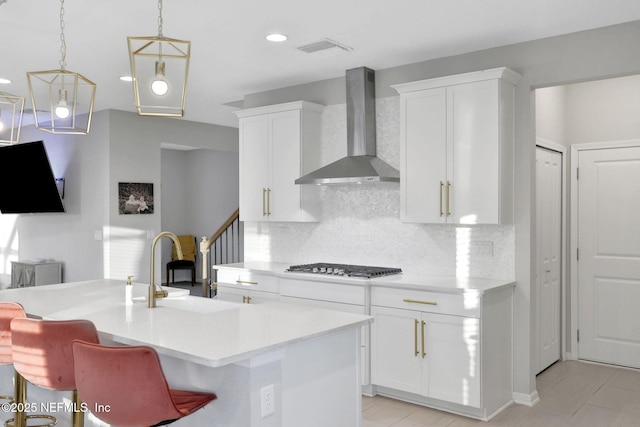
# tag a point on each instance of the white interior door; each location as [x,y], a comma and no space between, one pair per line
[549,250]
[609,256]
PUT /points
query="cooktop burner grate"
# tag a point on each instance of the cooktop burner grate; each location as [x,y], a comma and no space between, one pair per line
[363,271]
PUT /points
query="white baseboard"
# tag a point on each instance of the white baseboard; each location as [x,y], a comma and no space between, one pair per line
[526,399]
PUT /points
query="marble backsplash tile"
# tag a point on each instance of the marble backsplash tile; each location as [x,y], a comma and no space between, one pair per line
[361,223]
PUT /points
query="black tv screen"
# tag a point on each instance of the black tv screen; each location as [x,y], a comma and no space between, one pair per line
[28,184]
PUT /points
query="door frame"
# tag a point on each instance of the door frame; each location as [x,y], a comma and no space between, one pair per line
[575,151]
[553,146]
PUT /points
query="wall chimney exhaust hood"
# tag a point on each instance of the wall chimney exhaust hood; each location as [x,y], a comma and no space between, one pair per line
[361,164]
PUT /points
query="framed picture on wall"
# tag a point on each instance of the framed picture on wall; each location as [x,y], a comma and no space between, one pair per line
[135,198]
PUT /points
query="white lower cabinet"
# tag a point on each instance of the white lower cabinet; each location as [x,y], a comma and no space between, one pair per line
[443,348]
[450,351]
[433,355]
[331,296]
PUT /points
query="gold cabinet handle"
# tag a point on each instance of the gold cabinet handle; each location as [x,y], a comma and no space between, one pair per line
[264,202]
[417,301]
[415,338]
[448,197]
[244,282]
[268,201]
[441,185]
[424,354]
[246,300]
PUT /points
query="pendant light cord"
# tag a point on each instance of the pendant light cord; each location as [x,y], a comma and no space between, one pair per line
[159,18]
[63,42]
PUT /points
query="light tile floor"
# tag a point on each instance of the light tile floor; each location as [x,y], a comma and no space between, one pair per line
[571,394]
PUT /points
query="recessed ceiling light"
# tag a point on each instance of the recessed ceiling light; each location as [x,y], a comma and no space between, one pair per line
[4,81]
[276,37]
[126,78]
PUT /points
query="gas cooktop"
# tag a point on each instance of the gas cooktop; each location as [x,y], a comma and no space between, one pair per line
[362,271]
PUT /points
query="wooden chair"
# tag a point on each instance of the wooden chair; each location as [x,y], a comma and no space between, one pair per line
[189,251]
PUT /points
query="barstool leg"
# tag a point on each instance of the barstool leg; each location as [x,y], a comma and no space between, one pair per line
[20,399]
[20,393]
[77,417]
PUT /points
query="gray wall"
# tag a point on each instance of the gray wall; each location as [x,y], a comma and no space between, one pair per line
[199,192]
[589,55]
[121,147]
[68,237]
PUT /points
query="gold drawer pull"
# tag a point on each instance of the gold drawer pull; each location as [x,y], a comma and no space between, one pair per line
[448,198]
[441,185]
[244,282]
[415,338]
[264,202]
[416,301]
[423,352]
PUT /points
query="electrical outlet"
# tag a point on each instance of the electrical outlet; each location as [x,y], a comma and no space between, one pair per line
[267,404]
[481,248]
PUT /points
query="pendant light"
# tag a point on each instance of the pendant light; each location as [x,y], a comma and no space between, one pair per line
[11,109]
[159,66]
[62,100]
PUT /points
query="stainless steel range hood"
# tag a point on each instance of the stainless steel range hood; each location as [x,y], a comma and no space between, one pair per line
[361,164]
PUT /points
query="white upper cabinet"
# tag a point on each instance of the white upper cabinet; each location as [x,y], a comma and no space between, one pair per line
[279,144]
[456,149]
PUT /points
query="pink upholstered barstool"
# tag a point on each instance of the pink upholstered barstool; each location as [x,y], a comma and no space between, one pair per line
[8,312]
[43,354]
[129,381]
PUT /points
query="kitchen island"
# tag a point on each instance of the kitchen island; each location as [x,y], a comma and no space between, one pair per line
[307,359]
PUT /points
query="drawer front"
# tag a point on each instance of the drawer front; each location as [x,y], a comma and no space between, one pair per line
[467,304]
[244,279]
[323,291]
[246,296]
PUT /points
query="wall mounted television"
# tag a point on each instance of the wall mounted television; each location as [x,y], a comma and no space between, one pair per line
[28,183]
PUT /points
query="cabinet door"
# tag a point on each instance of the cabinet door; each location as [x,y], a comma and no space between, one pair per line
[423,156]
[284,194]
[452,354]
[254,167]
[473,153]
[396,360]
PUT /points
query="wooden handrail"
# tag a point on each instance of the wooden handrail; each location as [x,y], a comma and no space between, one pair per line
[223,227]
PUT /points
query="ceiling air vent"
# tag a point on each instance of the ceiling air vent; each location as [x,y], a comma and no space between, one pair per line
[325,47]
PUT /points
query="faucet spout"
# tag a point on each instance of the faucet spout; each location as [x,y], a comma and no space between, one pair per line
[153,293]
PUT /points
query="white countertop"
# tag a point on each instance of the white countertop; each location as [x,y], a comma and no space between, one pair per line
[449,284]
[201,330]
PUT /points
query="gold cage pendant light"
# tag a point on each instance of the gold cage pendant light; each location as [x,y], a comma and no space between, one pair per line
[62,100]
[11,110]
[159,67]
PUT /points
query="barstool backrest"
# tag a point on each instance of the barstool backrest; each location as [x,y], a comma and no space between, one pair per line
[8,312]
[130,380]
[43,352]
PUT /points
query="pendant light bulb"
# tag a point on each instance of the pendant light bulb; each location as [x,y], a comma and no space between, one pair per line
[62,110]
[159,85]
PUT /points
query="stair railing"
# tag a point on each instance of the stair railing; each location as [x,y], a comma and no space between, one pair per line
[227,246]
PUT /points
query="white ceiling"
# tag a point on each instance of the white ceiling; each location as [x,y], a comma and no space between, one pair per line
[231,58]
